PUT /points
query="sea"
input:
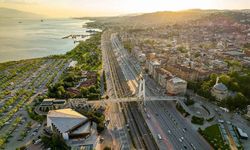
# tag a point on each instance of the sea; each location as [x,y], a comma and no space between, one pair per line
[33,38]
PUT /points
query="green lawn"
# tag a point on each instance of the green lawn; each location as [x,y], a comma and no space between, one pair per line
[213,136]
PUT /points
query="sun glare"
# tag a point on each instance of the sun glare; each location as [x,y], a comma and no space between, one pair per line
[66,8]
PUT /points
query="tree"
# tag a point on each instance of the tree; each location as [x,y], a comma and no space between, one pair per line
[100,127]
[213,76]
[107,148]
[225,79]
[55,142]
[84,92]
[238,101]
[93,96]
[92,89]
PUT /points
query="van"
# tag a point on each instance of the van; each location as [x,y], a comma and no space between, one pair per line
[148,116]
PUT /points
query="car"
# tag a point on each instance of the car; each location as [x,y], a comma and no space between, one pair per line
[169,131]
[6,123]
[220,121]
[180,140]
[34,133]
[192,145]
[185,146]
[38,141]
[183,130]
[148,116]
[159,137]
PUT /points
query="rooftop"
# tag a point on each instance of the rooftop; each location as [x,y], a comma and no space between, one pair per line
[65,119]
[220,87]
[177,80]
[155,63]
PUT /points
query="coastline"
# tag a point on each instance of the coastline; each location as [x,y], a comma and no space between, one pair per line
[33,39]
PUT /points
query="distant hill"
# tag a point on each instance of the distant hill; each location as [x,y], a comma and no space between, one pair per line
[163,18]
[169,16]
[12,13]
[156,18]
[172,17]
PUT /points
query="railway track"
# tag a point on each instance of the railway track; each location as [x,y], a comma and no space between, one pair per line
[140,134]
[121,90]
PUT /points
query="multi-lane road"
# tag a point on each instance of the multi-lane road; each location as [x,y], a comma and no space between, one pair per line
[168,127]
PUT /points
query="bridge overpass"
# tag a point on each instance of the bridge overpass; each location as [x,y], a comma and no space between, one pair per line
[137,99]
[141,96]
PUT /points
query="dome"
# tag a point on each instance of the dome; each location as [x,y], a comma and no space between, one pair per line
[220,87]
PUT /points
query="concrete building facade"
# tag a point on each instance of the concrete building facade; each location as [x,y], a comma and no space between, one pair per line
[176,86]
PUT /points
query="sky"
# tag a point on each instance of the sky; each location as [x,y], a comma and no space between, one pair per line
[78,8]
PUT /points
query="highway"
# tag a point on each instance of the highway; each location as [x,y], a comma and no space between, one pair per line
[164,119]
[175,126]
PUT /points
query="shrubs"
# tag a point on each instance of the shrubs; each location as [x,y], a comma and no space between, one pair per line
[189,102]
[210,119]
[96,116]
[33,115]
[100,127]
[197,120]
[107,148]
[54,142]
[104,81]
[182,110]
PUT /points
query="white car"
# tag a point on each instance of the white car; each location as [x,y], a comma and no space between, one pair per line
[159,137]
[182,138]
[169,131]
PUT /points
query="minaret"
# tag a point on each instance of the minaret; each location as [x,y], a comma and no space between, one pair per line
[217,80]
